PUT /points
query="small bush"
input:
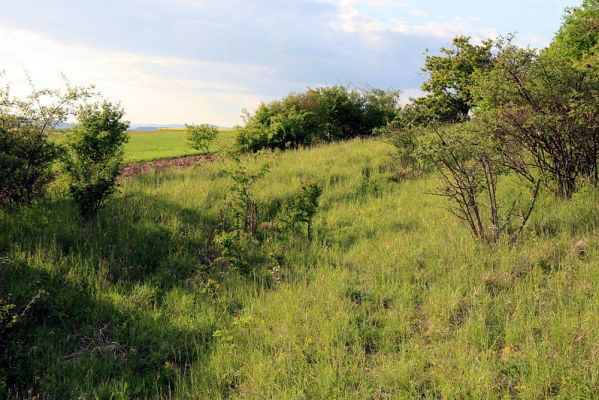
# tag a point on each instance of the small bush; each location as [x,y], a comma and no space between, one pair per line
[302,207]
[239,250]
[200,137]
[471,165]
[94,156]
[409,153]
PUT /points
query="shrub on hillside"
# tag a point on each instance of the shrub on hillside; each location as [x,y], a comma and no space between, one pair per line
[94,155]
[409,154]
[542,110]
[26,152]
[470,166]
[302,206]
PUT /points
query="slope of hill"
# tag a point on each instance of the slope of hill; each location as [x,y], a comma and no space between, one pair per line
[392,298]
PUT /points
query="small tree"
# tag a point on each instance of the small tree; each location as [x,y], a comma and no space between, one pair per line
[201,136]
[408,150]
[95,155]
[302,207]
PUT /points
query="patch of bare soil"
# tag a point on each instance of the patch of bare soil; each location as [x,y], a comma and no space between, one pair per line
[134,169]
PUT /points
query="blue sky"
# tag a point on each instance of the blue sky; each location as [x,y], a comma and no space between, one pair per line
[175,61]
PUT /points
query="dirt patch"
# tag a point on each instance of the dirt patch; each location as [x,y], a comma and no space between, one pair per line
[134,169]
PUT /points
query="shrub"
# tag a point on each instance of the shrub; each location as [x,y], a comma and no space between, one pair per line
[470,166]
[408,155]
[239,250]
[324,114]
[239,246]
[244,207]
[543,111]
[94,156]
[449,77]
[26,153]
[302,206]
[201,136]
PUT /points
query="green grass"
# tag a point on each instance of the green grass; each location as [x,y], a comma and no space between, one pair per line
[161,144]
[393,299]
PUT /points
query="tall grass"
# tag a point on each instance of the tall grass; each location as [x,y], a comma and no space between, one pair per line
[392,298]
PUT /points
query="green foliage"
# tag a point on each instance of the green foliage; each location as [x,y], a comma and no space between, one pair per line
[26,158]
[94,155]
[244,207]
[278,125]
[578,37]
[238,243]
[542,111]
[449,78]
[200,137]
[302,206]
[26,152]
[409,154]
[325,114]
[240,251]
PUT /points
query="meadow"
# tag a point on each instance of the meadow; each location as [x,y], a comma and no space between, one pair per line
[392,299]
[162,144]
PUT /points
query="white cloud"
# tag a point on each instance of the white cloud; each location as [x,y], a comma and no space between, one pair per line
[350,20]
[129,78]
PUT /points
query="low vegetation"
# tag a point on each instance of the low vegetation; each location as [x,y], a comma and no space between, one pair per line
[331,271]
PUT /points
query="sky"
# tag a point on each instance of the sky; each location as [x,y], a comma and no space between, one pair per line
[203,61]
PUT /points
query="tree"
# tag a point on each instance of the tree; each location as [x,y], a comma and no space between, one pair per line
[94,155]
[449,78]
[26,152]
[578,37]
[201,136]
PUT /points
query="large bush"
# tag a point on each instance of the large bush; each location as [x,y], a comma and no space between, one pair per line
[449,77]
[543,112]
[324,114]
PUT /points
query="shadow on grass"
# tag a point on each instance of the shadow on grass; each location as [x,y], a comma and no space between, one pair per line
[74,340]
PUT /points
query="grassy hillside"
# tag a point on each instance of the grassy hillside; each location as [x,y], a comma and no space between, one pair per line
[392,298]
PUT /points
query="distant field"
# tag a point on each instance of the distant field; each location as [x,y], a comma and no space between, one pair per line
[155,145]
[165,143]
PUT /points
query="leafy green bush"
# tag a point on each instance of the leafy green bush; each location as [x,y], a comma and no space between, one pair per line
[200,137]
[240,251]
[324,114]
[409,153]
[94,155]
[578,37]
[449,78]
